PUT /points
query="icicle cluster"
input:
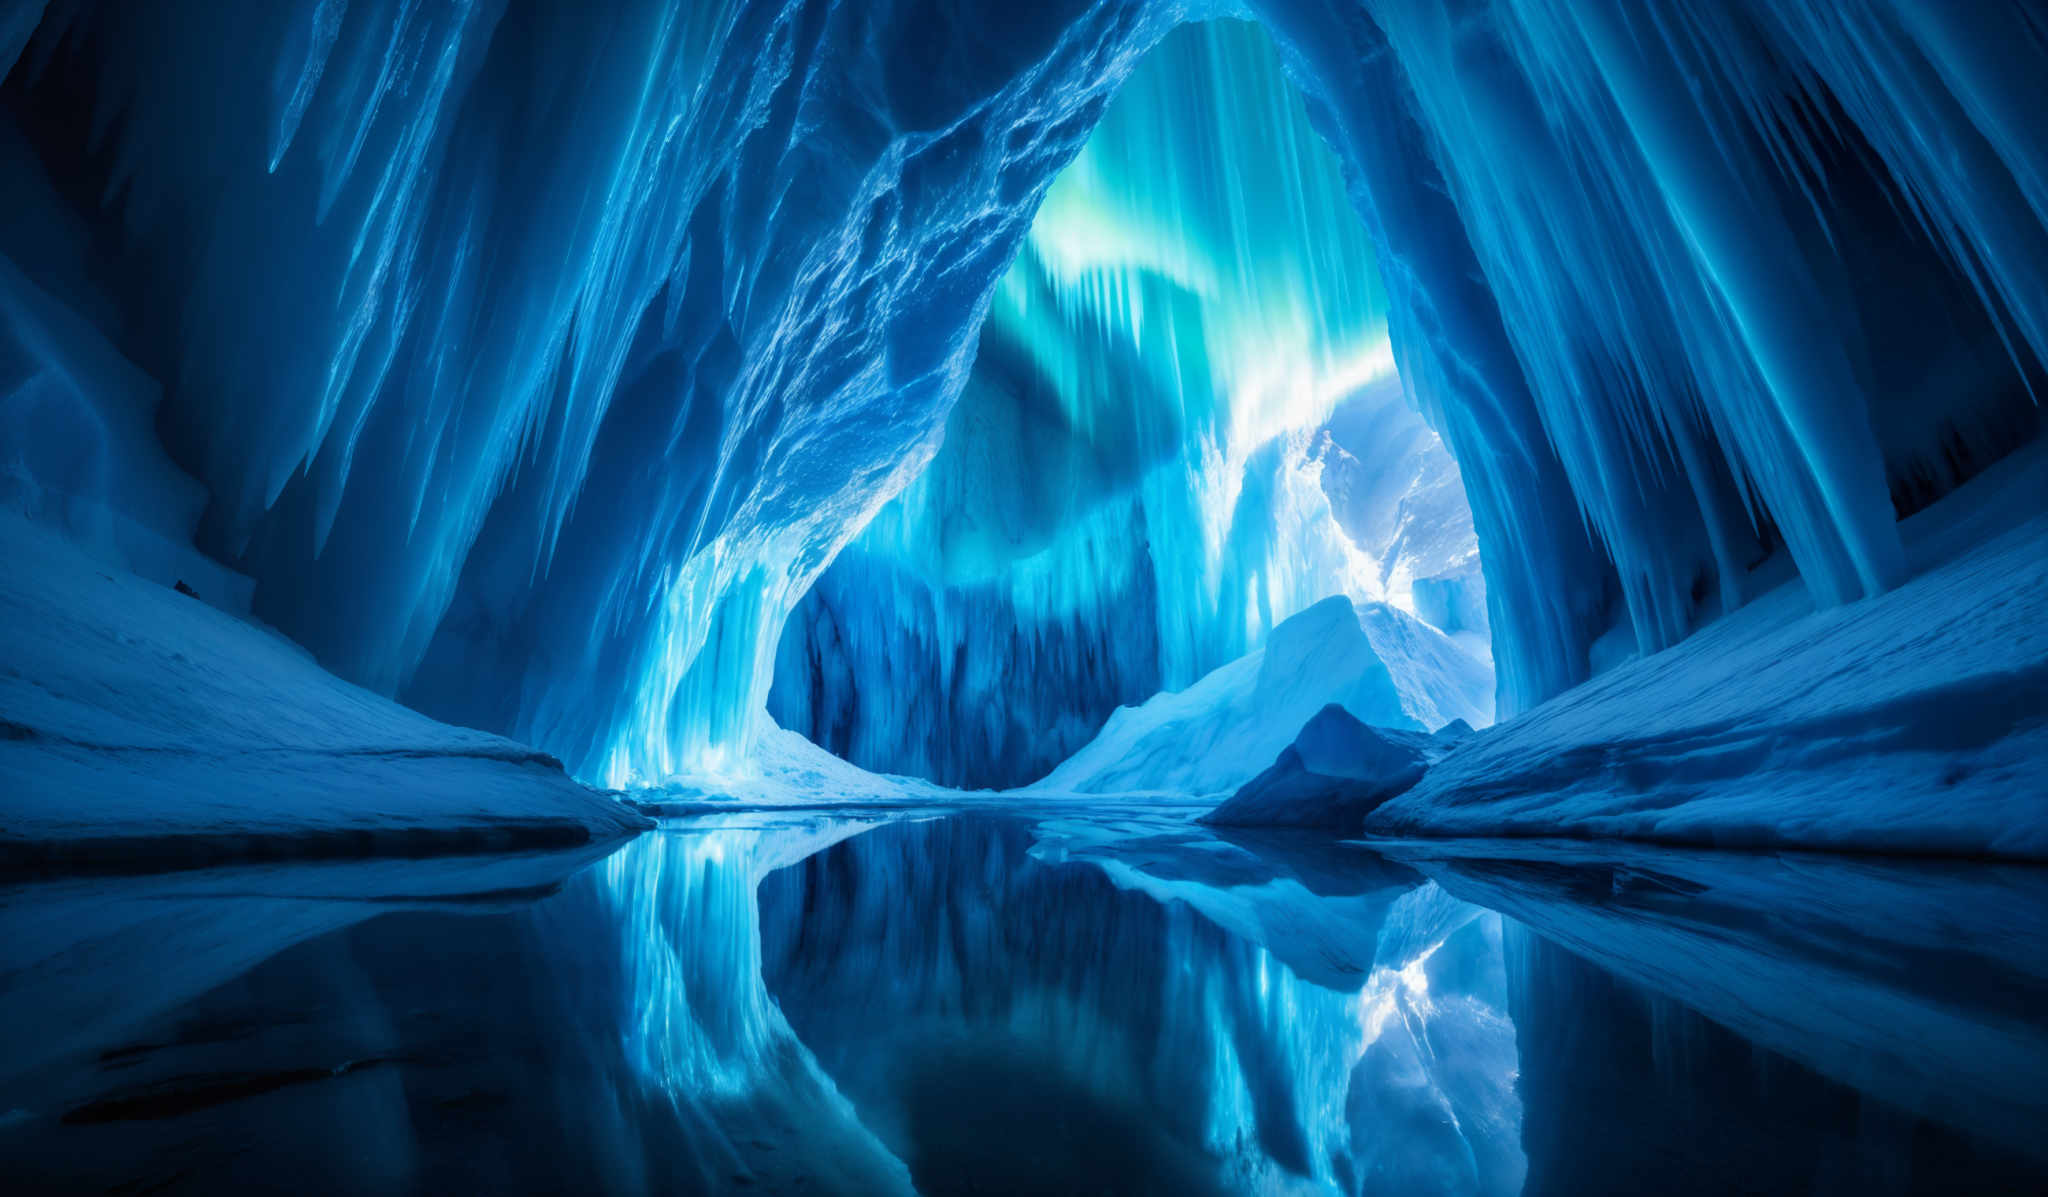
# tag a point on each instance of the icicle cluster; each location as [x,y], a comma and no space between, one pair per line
[1681,282]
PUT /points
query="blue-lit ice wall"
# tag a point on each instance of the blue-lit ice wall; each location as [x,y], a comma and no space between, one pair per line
[535,357]
[1136,482]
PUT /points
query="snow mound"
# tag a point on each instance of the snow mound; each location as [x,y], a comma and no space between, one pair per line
[1336,772]
[1381,665]
[784,769]
[140,727]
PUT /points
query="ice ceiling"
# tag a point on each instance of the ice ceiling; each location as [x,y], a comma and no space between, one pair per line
[537,357]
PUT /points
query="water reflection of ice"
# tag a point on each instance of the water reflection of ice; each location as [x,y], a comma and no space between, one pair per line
[697,1021]
[900,986]
[1122,1002]
[1047,998]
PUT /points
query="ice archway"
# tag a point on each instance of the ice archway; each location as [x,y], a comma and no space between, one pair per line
[536,356]
[1182,426]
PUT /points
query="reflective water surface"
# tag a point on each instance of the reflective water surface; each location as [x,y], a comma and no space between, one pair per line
[1030,1001]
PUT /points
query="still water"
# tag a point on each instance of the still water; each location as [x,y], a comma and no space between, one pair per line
[1030,1002]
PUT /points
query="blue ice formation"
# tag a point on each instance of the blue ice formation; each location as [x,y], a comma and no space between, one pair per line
[535,358]
[1337,771]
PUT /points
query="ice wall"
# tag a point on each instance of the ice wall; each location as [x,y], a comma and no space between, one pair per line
[535,356]
[78,449]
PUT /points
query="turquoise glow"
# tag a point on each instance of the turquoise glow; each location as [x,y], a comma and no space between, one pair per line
[1194,299]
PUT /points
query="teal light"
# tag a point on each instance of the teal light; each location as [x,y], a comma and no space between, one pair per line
[1196,296]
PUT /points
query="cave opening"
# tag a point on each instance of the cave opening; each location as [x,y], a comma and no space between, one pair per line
[1182,426]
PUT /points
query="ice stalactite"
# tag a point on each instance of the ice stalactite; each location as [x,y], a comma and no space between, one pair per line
[700,1027]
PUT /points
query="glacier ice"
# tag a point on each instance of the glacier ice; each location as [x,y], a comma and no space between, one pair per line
[535,359]
[78,447]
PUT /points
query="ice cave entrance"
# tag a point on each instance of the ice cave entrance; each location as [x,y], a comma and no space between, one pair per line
[1183,426]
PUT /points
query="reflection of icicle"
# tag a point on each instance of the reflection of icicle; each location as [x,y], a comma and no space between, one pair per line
[1451,1056]
[687,902]
[701,1027]
[1419,922]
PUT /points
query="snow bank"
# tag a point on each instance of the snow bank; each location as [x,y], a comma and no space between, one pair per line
[1916,721]
[1382,665]
[141,727]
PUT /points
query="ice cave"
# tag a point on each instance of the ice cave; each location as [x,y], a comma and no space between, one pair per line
[1024,596]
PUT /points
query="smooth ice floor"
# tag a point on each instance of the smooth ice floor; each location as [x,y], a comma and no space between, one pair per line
[1026,1000]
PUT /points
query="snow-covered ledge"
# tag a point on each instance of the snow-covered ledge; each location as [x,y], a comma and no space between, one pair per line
[1914,722]
[141,728]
